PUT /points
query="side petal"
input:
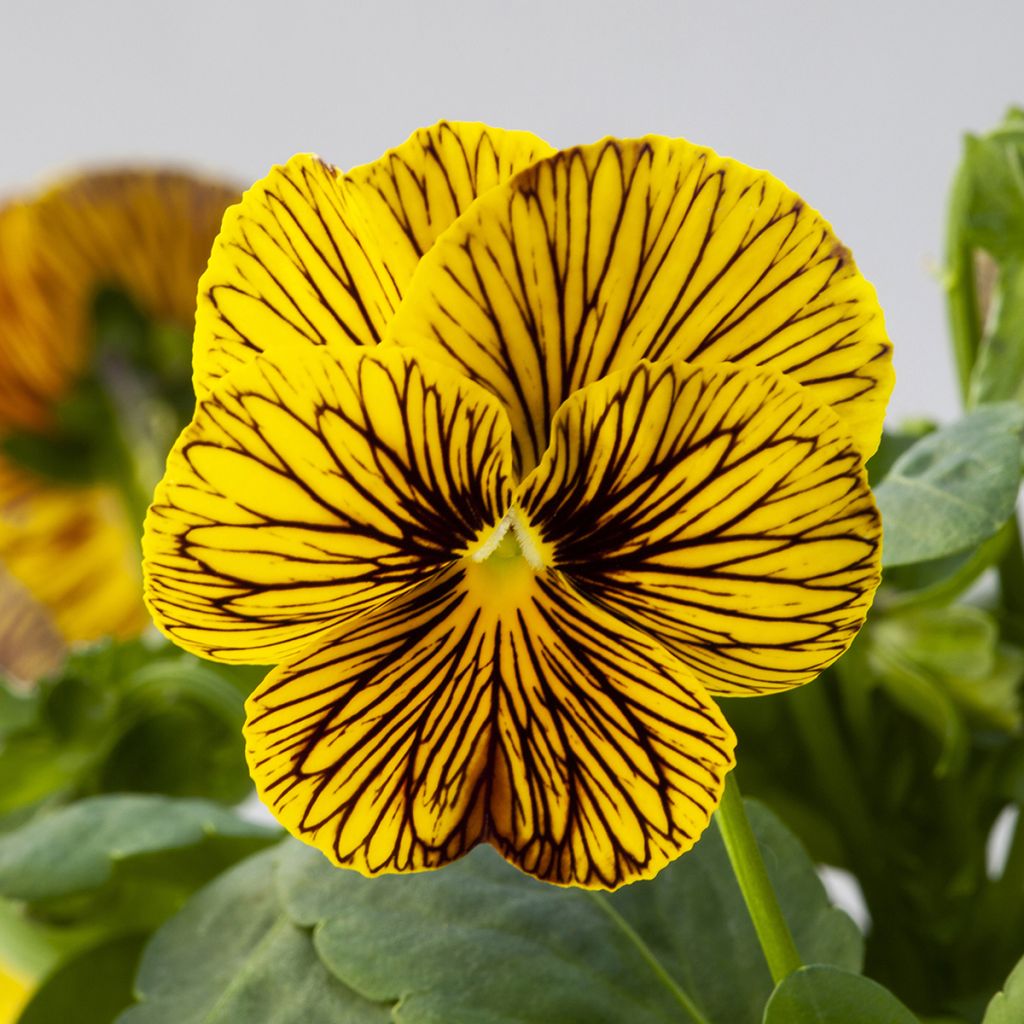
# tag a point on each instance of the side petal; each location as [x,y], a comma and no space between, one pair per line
[489,704]
[313,485]
[313,256]
[721,510]
[653,248]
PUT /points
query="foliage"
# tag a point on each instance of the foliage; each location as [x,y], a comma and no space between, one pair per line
[897,765]
[96,877]
[479,941]
[135,716]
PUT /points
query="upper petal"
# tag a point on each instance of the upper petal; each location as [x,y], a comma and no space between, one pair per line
[654,248]
[310,485]
[721,509]
[312,256]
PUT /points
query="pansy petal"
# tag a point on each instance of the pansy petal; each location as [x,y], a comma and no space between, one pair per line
[309,488]
[720,509]
[313,256]
[490,704]
[602,255]
[72,549]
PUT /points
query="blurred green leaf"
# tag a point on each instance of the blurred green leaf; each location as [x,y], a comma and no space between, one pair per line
[232,955]
[130,858]
[820,994]
[956,650]
[998,373]
[90,987]
[479,941]
[126,717]
[994,193]
[941,580]
[1007,1006]
[954,488]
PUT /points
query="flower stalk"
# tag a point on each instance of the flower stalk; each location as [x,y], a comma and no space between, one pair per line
[748,866]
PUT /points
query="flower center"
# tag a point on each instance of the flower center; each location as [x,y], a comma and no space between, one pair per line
[511,541]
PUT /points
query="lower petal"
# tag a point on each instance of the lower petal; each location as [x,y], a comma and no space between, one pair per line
[490,705]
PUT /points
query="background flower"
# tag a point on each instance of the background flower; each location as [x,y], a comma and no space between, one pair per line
[97,292]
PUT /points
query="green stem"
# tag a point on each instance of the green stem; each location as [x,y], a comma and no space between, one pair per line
[752,876]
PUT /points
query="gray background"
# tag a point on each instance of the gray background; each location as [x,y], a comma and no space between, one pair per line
[859,106]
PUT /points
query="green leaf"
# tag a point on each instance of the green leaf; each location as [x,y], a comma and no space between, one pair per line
[126,857]
[998,373]
[232,955]
[821,994]
[954,488]
[941,580]
[122,717]
[957,651]
[892,445]
[994,201]
[480,943]
[89,988]
[1007,1007]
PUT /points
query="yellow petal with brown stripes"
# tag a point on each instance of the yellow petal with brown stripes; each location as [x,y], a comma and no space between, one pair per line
[491,703]
[721,510]
[74,551]
[313,256]
[312,485]
[602,255]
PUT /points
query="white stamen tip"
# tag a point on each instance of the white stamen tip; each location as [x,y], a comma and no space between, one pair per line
[526,545]
[490,545]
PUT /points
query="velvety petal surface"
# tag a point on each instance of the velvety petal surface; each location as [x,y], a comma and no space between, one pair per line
[654,248]
[720,509]
[313,256]
[313,485]
[491,703]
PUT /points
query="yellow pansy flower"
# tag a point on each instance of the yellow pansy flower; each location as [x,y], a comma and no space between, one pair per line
[606,463]
[73,547]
